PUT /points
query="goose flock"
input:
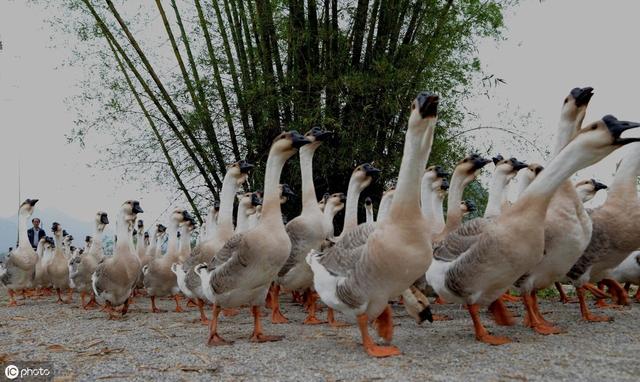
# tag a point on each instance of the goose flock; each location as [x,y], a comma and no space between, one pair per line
[409,252]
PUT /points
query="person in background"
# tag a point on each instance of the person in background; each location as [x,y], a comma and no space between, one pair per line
[35,233]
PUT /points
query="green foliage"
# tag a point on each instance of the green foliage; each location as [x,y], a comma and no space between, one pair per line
[352,67]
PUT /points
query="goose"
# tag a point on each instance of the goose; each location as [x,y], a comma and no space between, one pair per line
[306,231]
[464,173]
[242,271]
[483,258]
[439,190]
[628,272]
[616,225]
[115,276]
[84,266]
[184,246]
[377,262]
[361,178]
[58,266]
[567,227]
[40,280]
[219,229]
[368,209]
[160,241]
[247,203]
[141,243]
[431,180]
[587,189]
[505,171]
[154,242]
[159,280]
[323,201]
[20,265]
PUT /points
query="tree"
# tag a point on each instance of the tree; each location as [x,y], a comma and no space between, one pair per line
[219,79]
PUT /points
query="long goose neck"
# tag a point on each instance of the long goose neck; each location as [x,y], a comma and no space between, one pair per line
[538,195]
[624,183]
[567,129]
[369,213]
[456,189]
[227,198]
[122,232]
[327,219]
[426,197]
[438,212]
[271,211]
[172,242]
[496,194]
[23,237]
[309,200]
[417,148]
[185,239]
[383,209]
[351,207]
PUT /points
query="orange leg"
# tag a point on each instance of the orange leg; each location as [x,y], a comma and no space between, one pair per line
[332,320]
[178,307]
[584,309]
[311,318]
[533,318]
[384,324]
[510,298]
[276,315]
[481,333]
[440,301]
[534,297]
[595,291]
[617,290]
[110,310]
[12,298]
[367,342]
[59,300]
[500,313]
[257,335]
[154,308]
[191,303]
[203,316]
[563,295]
[214,338]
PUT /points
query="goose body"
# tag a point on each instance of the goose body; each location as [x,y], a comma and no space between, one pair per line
[115,276]
[86,264]
[629,269]
[58,266]
[21,264]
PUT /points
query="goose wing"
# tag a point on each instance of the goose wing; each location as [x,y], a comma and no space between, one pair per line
[460,240]
[343,256]
[597,249]
[229,263]
[298,232]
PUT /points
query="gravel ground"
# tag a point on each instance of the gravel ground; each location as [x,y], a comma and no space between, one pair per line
[83,345]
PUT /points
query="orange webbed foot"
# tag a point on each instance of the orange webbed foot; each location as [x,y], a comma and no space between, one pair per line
[312,320]
[594,318]
[259,337]
[278,318]
[230,312]
[441,317]
[191,304]
[547,329]
[382,351]
[493,340]
[216,340]
[440,301]
[510,298]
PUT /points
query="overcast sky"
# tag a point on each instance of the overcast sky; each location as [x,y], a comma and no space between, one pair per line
[550,48]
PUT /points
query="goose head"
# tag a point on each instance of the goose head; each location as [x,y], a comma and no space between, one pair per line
[588,188]
[317,136]
[249,201]
[287,143]
[432,174]
[508,167]
[575,104]
[467,206]
[469,167]
[423,108]
[240,171]
[441,187]
[322,202]
[600,138]
[49,243]
[101,220]
[335,202]
[130,210]
[146,238]
[180,216]
[160,230]
[363,175]
[56,228]
[27,207]
[286,193]
[67,240]
[140,227]
[88,240]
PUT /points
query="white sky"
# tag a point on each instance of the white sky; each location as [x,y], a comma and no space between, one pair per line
[551,47]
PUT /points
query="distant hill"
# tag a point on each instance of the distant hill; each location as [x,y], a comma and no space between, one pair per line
[78,228]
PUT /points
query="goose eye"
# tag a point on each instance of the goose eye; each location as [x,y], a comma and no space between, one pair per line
[594,127]
[566,100]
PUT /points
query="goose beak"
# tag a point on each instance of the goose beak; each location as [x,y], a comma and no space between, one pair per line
[343,198]
[517,165]
[186,216]
[471,205]
[161,228]
[440,173]
[49,240]
[427,103]
[582,95]
[104,219]
[255,200]
[322,135]
[597,186]
[368,201]
[617,127]
[136,208]
[140,224]
[445,185]
[497,159]
[287,191]
[32,202]
[298,140]
[87,239]
[370,170]
[245,167]
[479,162]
